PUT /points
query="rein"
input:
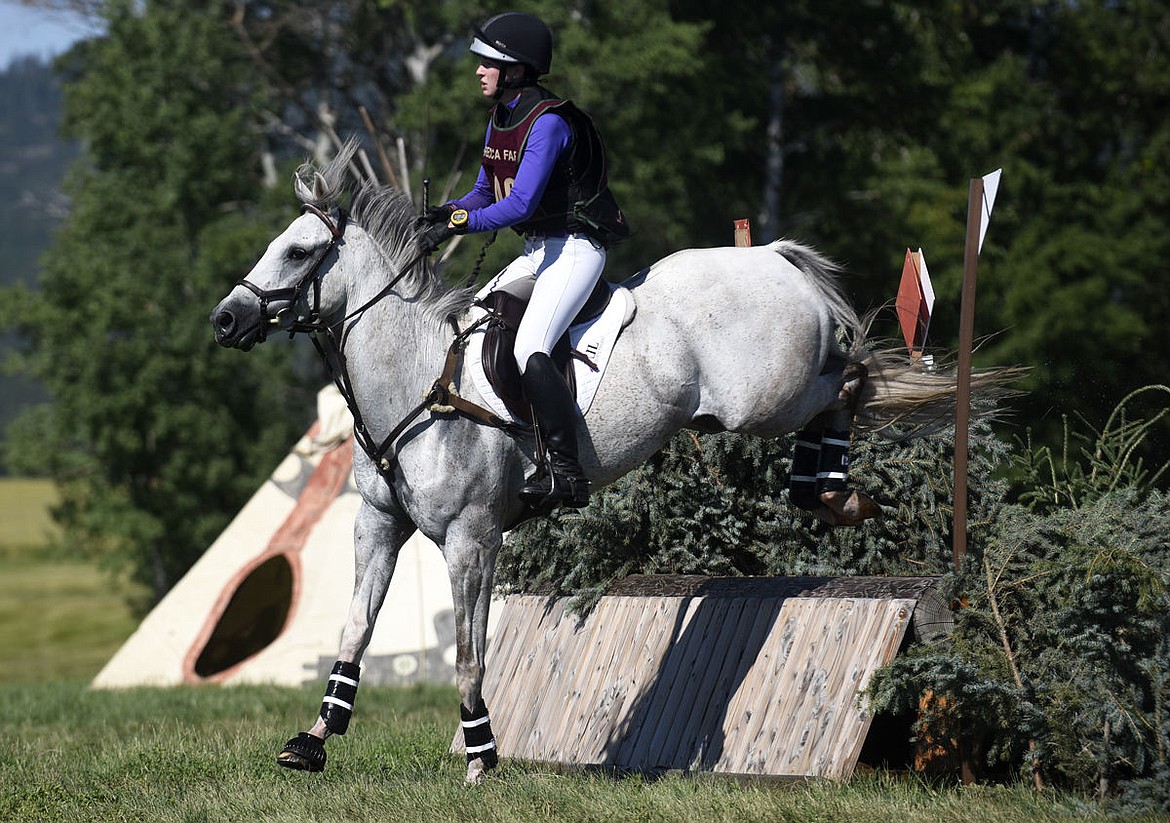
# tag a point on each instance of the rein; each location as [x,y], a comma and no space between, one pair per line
[441,397]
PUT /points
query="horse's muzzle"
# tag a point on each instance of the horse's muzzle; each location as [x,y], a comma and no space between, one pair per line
[237,323]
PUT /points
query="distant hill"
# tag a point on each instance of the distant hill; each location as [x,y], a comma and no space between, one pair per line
[33,163]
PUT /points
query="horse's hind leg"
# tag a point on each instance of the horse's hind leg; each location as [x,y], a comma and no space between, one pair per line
[377,539]
[820,460]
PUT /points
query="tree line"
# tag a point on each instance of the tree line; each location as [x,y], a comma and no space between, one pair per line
[854,128]
[32,159]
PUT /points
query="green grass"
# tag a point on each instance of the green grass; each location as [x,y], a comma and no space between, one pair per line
[24,513]
[59,618]
[207,753]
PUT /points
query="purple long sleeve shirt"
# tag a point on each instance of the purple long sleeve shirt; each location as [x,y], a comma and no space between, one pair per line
[549,137]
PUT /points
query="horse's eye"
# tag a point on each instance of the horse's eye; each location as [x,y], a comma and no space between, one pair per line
[297,253]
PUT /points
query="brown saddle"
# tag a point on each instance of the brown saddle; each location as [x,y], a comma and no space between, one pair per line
[507,306]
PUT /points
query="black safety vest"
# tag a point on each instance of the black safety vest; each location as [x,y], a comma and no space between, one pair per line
[577,197]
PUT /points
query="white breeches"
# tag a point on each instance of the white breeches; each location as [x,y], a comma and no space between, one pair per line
[566,270]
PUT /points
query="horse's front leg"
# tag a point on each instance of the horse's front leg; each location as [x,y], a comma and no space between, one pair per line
[377,539]
[471,557]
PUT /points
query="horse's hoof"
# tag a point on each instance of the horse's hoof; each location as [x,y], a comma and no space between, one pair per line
[305,753]
[477,770]
[847,507]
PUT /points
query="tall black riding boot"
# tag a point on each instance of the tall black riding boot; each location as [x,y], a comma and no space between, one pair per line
[560,479]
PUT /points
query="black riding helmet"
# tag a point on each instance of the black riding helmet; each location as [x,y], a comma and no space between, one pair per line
[515,37]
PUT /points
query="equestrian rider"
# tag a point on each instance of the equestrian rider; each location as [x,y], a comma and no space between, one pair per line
[543,175]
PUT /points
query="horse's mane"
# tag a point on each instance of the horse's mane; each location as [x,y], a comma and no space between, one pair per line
[387,216]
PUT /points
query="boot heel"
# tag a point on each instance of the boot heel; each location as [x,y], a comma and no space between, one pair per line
[578,493]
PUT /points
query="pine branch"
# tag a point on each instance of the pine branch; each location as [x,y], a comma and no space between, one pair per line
[993,602]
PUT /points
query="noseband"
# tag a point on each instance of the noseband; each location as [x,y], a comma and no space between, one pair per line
[294,293]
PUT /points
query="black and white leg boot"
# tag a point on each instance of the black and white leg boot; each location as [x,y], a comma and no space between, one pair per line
[802,481]
[306,752]
[840,505]
[478,741]
[340,694]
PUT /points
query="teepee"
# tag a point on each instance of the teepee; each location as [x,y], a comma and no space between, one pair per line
[267,601]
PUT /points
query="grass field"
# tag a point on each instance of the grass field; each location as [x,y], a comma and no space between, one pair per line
[208,754]
[59,618]
[24,513]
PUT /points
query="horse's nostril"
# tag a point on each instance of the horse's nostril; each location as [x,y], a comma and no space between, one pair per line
[224,322]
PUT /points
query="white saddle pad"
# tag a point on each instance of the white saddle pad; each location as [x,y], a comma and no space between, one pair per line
[595,339]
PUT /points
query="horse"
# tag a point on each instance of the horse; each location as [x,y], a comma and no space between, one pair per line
[723,339]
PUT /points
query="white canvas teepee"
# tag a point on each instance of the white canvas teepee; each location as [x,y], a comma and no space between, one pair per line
[267,601]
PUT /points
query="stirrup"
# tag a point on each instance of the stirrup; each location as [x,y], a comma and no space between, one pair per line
[846,507]
[544,490]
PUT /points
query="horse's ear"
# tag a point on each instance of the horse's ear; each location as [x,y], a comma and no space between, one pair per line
[310,185]
[320,186]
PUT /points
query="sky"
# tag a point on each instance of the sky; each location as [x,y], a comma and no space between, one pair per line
[32,31]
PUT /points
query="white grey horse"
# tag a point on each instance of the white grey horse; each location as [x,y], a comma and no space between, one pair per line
[738,339]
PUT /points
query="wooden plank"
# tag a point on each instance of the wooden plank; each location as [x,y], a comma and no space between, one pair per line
[725,651]
[508,668]
[743,650]
[696,648]
[638,667]
[668,617]
[897,618]
[738,680]
[559,649]
[820,659]
[692,651]
[661,689]
[771,742]
[749,710]
[608,621]
[505,683]
[615,695]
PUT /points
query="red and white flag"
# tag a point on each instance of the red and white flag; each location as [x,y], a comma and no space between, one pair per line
[915,300]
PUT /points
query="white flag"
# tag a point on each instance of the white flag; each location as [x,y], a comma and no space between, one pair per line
[990,187]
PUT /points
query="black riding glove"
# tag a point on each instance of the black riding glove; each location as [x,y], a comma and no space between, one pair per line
[433,237]
[434,216]
[430,240]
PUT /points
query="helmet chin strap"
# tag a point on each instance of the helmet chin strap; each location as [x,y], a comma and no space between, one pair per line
[522,82]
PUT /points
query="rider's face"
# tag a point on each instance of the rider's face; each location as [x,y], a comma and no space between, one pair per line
[492,74]
[489,77]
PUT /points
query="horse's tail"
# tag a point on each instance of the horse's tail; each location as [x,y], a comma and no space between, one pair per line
[822,275]
[900,398]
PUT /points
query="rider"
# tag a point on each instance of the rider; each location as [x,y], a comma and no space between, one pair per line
[543,175]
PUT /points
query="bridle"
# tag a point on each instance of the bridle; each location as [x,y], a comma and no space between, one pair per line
[293,294]
[330,346]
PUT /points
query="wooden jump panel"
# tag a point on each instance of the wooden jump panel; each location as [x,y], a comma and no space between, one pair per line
[712,675]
